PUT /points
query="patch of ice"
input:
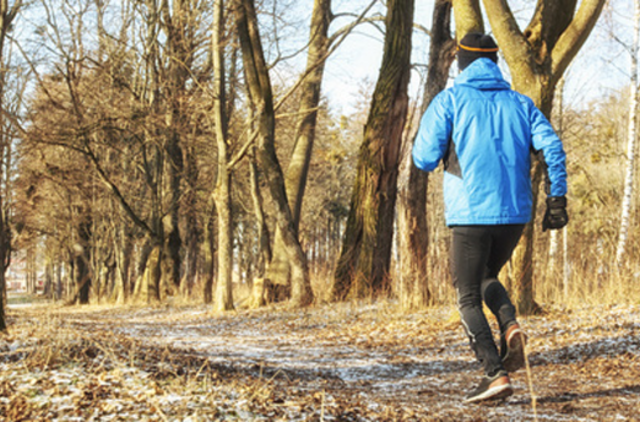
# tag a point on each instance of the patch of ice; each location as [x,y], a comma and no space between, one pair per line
[170,399]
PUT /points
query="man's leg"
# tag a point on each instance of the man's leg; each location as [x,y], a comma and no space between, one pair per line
[504,239]
[469,254]
[512,339]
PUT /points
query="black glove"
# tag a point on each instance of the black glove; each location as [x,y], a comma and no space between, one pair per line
[556,216]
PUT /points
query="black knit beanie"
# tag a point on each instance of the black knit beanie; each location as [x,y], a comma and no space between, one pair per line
[475,45]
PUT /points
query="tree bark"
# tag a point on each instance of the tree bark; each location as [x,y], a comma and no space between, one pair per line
[223,300]
[31,271]
[147,286]
[151,278]
[413,222]
[193,232]
[468,17]
[264,243]
[5,259]
[82,260]
[3,298]
[363,266]
[211,256]
[123,250]
[259,85]
[262,290]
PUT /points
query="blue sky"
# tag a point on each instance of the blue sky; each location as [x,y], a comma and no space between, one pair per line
[600,68]
[359,57]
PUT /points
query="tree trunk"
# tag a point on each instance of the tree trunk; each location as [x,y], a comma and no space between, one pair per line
[554,238]
[171,261]
[222,193]
[3,302]
[625,209]
[82,261]
[264,242]
[262,292]
[48,278]
[5,259]
[109,275]
[147,286]
[98,261]
[468,17]
[413,222]
[7,15]
[223,300]
[30,275]
[363,266]
[296,175]
[565,263]
[68,279]
[176,21]
[193,234]
[123,250]
[259,85]
[211,256]
[59,288]
[3,293]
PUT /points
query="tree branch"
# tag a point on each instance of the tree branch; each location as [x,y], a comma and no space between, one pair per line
[468,17]
[123,202]
[243,151]
[335,40]
[512,42]
[575,35]
[346,30]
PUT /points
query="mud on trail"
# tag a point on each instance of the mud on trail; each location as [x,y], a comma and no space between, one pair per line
[330,363]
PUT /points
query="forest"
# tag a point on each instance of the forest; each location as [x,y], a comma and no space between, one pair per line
[226,169]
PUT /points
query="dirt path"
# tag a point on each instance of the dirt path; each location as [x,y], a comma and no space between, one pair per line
[340,363]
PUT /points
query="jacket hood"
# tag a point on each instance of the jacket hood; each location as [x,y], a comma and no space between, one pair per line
[482,74]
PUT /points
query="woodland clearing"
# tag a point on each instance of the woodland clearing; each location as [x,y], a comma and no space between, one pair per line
[341,362]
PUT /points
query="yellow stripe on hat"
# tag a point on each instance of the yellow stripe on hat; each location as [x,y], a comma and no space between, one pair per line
[478,49]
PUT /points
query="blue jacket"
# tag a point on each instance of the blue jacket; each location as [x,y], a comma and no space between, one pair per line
[485,132]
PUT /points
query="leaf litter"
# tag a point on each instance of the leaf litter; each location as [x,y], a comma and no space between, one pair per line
[343,362]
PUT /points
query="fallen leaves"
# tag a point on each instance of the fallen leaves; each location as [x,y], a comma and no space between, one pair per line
[339,362]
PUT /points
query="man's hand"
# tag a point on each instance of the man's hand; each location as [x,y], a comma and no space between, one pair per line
[556,215]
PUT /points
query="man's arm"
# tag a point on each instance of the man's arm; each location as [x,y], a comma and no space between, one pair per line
[546,142]
[434,133]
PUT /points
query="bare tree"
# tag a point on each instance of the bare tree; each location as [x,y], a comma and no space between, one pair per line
[7,16]
[296,175]
[363,267]
[413,222]
[259,86]
[625,209]
[222,194]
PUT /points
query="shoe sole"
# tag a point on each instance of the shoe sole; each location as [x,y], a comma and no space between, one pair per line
[495,393]
[514,359]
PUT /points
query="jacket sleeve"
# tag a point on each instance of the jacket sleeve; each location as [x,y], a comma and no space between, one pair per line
[545,140]
[433,134]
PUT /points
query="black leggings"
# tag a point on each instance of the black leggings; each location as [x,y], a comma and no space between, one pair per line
[477,255]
